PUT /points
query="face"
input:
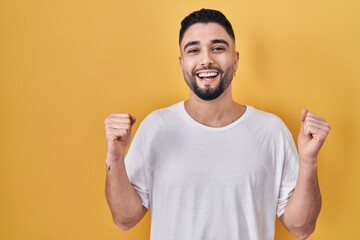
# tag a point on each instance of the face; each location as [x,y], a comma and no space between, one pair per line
[208,60]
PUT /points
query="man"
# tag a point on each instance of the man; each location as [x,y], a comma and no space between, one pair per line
[208,167]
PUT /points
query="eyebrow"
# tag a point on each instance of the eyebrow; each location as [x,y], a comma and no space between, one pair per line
[191,44]
[220,41]
[214,41]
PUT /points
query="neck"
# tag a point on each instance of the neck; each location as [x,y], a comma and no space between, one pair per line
[215,113]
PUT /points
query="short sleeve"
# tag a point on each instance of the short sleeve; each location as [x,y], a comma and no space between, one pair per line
[289,172]
[135,167]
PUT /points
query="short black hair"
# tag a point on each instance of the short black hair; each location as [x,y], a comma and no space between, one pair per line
[206,16]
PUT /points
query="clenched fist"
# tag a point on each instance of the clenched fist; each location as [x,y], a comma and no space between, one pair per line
[118,133]
[313,133]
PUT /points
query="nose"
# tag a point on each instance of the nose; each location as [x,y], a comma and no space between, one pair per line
[207,59]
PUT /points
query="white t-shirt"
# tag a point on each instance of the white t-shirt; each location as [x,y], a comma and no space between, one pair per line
[205,183]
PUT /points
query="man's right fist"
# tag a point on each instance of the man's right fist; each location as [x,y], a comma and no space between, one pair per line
[118,133]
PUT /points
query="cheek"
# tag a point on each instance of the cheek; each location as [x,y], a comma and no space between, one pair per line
[223,61]
[188,65]
[227,61]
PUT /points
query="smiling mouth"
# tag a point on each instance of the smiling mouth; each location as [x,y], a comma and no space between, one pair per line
[207,75]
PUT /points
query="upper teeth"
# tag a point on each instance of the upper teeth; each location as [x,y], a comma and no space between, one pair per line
[210,74]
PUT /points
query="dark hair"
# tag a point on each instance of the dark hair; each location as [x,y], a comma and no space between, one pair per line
[206,16]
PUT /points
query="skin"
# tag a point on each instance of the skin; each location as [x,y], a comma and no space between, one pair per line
[206,53]
[124,202]
[207,48]
[303,208]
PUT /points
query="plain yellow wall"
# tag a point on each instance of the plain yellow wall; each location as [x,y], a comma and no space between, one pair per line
[65,65]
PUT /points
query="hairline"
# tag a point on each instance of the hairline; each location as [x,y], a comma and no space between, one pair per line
[205,23]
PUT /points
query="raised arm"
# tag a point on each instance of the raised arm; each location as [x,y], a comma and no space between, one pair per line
[124,202]
[303,207]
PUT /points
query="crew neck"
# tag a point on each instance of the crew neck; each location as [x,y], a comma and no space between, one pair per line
[195,123]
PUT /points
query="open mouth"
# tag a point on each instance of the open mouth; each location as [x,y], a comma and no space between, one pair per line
[207,75]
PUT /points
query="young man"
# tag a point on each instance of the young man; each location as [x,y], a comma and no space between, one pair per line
[208,167]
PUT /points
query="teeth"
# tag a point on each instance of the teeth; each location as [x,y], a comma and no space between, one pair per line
[210,74]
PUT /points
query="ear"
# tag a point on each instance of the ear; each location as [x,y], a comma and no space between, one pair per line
[181,60]
[236,59]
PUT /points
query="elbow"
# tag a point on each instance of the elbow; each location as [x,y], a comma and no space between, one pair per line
[127,220]
[123,223]
[299,229]
[124,227]
[304,235]
[302,232]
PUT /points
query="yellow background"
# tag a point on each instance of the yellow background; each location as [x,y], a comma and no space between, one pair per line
[65,65]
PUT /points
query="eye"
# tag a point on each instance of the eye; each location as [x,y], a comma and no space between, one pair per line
[192,51]
[218,49]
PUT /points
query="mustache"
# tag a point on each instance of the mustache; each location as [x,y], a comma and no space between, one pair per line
[195,71]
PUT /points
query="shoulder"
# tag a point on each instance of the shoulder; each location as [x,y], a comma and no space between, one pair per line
[263,118]
[268,125]
[161,117]
[164,113]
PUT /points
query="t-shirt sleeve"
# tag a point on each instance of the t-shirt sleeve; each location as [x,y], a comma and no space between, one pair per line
[135,167]
[289,173]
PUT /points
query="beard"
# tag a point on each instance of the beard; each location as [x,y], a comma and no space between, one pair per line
[208,93]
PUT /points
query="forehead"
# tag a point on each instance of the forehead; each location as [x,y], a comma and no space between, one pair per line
[205,32]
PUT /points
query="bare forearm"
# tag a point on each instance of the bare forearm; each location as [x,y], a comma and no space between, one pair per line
[304,206]
[124,202]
